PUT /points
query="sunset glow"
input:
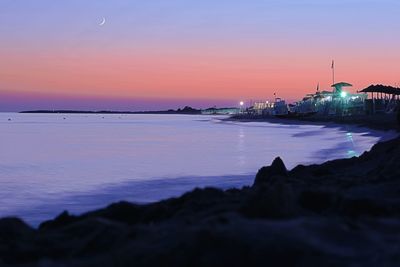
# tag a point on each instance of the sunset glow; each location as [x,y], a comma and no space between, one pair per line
[199,53]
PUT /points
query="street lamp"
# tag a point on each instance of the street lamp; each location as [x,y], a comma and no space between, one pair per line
[343,94]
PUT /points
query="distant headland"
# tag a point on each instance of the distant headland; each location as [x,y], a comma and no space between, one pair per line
[185,110]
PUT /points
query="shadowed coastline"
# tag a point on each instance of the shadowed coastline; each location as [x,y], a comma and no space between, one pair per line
[184,111]
[378,121]
[340,213]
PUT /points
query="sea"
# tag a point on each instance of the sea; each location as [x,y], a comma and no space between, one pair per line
[79,162]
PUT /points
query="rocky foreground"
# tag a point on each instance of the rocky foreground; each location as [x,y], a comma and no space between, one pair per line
[341,213]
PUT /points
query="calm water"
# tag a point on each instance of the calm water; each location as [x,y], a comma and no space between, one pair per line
[49,163]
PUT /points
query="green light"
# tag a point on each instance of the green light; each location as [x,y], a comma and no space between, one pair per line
[343,94]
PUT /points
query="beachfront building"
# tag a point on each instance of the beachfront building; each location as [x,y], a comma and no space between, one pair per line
[382,99]
[280,107]
[337,102]
[267,108]
[220,111]
[262,107]
[345,103]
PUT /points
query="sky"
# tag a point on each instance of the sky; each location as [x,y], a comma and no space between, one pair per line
[157,54]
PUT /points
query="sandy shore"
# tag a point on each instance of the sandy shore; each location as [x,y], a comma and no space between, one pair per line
[378,122]
[340,213]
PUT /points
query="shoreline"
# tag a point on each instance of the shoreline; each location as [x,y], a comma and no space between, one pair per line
[302,216]
[65,112]
[370,129]
[318,158]
[376,122]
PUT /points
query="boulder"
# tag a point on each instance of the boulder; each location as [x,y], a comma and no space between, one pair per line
[265,174]
[275,201]
[13,228]
[61,220]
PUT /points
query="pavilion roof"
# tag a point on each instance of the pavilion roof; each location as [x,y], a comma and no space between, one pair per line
[341,84]
[379,88]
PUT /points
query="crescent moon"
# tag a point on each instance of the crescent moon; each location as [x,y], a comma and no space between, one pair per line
[103,22]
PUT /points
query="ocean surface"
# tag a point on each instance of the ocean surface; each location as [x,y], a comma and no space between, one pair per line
[77,162]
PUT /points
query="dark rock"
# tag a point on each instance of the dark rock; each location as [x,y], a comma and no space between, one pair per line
[356,207]
[322,172]
[265,174]
[61,220]
[123,212]
[275,200]
[318,201]
[17,241]
[96,235]
[12,228]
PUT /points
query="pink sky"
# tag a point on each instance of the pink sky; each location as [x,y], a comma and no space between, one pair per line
[189,59]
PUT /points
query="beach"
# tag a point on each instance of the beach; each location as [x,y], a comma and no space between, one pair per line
[343,212]
[86,161]
[384,122]
[199,133]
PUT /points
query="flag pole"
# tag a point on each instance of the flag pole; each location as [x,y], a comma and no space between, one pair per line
[333,71]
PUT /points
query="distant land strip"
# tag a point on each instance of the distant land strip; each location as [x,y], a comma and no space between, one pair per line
[185,110]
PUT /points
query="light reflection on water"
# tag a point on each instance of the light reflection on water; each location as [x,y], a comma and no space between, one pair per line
[47,161]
